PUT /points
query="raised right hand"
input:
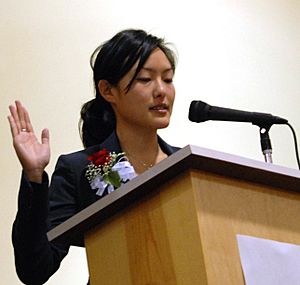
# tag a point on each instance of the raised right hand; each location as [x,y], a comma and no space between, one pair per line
[33,155]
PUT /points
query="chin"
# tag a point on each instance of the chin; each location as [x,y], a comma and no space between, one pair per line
[163,125]
[159,123]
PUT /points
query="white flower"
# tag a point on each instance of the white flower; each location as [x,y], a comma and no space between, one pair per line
[110,175]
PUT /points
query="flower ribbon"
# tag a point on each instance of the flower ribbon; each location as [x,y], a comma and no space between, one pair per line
[125,171]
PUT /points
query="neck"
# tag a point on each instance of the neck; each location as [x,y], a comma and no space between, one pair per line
[141,148]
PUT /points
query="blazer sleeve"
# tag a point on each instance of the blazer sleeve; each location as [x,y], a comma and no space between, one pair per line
[41,208]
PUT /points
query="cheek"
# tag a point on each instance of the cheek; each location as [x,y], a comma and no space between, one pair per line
[172,94]
[171,99]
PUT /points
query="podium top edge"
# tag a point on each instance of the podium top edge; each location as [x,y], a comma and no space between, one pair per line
[240,160]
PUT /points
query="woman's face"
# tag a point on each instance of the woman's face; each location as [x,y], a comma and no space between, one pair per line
[149,101]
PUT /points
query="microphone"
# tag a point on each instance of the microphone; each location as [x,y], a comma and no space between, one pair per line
[201,112]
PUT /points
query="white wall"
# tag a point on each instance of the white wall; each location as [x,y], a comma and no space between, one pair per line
[237,54]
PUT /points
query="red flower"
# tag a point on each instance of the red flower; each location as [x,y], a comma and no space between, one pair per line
[100,158]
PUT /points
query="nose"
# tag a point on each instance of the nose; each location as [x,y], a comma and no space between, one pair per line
[159,89]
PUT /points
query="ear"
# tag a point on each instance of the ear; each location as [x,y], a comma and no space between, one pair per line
[105,89]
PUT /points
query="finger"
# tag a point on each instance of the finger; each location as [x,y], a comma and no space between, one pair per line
[28,126]
[21,113]
[13,127]
[45,136]
[15,117]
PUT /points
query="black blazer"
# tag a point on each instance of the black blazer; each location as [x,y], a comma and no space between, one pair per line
[40,208]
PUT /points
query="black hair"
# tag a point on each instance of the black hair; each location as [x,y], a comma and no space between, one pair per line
[111,61]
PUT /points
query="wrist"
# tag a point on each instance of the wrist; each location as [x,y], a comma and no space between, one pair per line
[35,175]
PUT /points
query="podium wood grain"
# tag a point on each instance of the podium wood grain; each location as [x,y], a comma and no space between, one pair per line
[154,241]
[177,223]
[186,234]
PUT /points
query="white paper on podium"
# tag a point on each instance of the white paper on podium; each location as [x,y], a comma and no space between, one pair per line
[268,262]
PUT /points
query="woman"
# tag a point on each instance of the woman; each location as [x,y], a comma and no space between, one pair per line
[133,75]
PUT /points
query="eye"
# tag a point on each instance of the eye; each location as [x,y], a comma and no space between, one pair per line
[143,79]
[168,80]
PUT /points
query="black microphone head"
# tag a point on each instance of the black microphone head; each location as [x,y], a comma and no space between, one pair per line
[198,111]
[201,112]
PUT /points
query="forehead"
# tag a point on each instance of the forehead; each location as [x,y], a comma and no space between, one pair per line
[157,62]
[157,59]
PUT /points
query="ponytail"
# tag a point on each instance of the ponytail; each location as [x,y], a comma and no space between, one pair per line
[97,121]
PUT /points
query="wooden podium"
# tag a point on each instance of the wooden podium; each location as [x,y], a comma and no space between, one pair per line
[177,223]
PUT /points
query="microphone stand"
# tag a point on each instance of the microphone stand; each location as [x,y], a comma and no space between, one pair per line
[265,142]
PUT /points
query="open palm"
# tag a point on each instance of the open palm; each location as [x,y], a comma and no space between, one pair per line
[33,155]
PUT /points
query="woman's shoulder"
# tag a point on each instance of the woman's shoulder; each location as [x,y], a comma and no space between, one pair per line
[111,144]
[79,155]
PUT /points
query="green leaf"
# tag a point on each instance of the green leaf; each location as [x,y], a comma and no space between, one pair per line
[113,178]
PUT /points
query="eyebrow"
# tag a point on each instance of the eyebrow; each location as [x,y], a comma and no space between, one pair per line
[154,69]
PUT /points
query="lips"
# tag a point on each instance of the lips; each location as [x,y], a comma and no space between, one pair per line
[160,107]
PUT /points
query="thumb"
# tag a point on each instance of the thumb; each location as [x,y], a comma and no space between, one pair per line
[45,136]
